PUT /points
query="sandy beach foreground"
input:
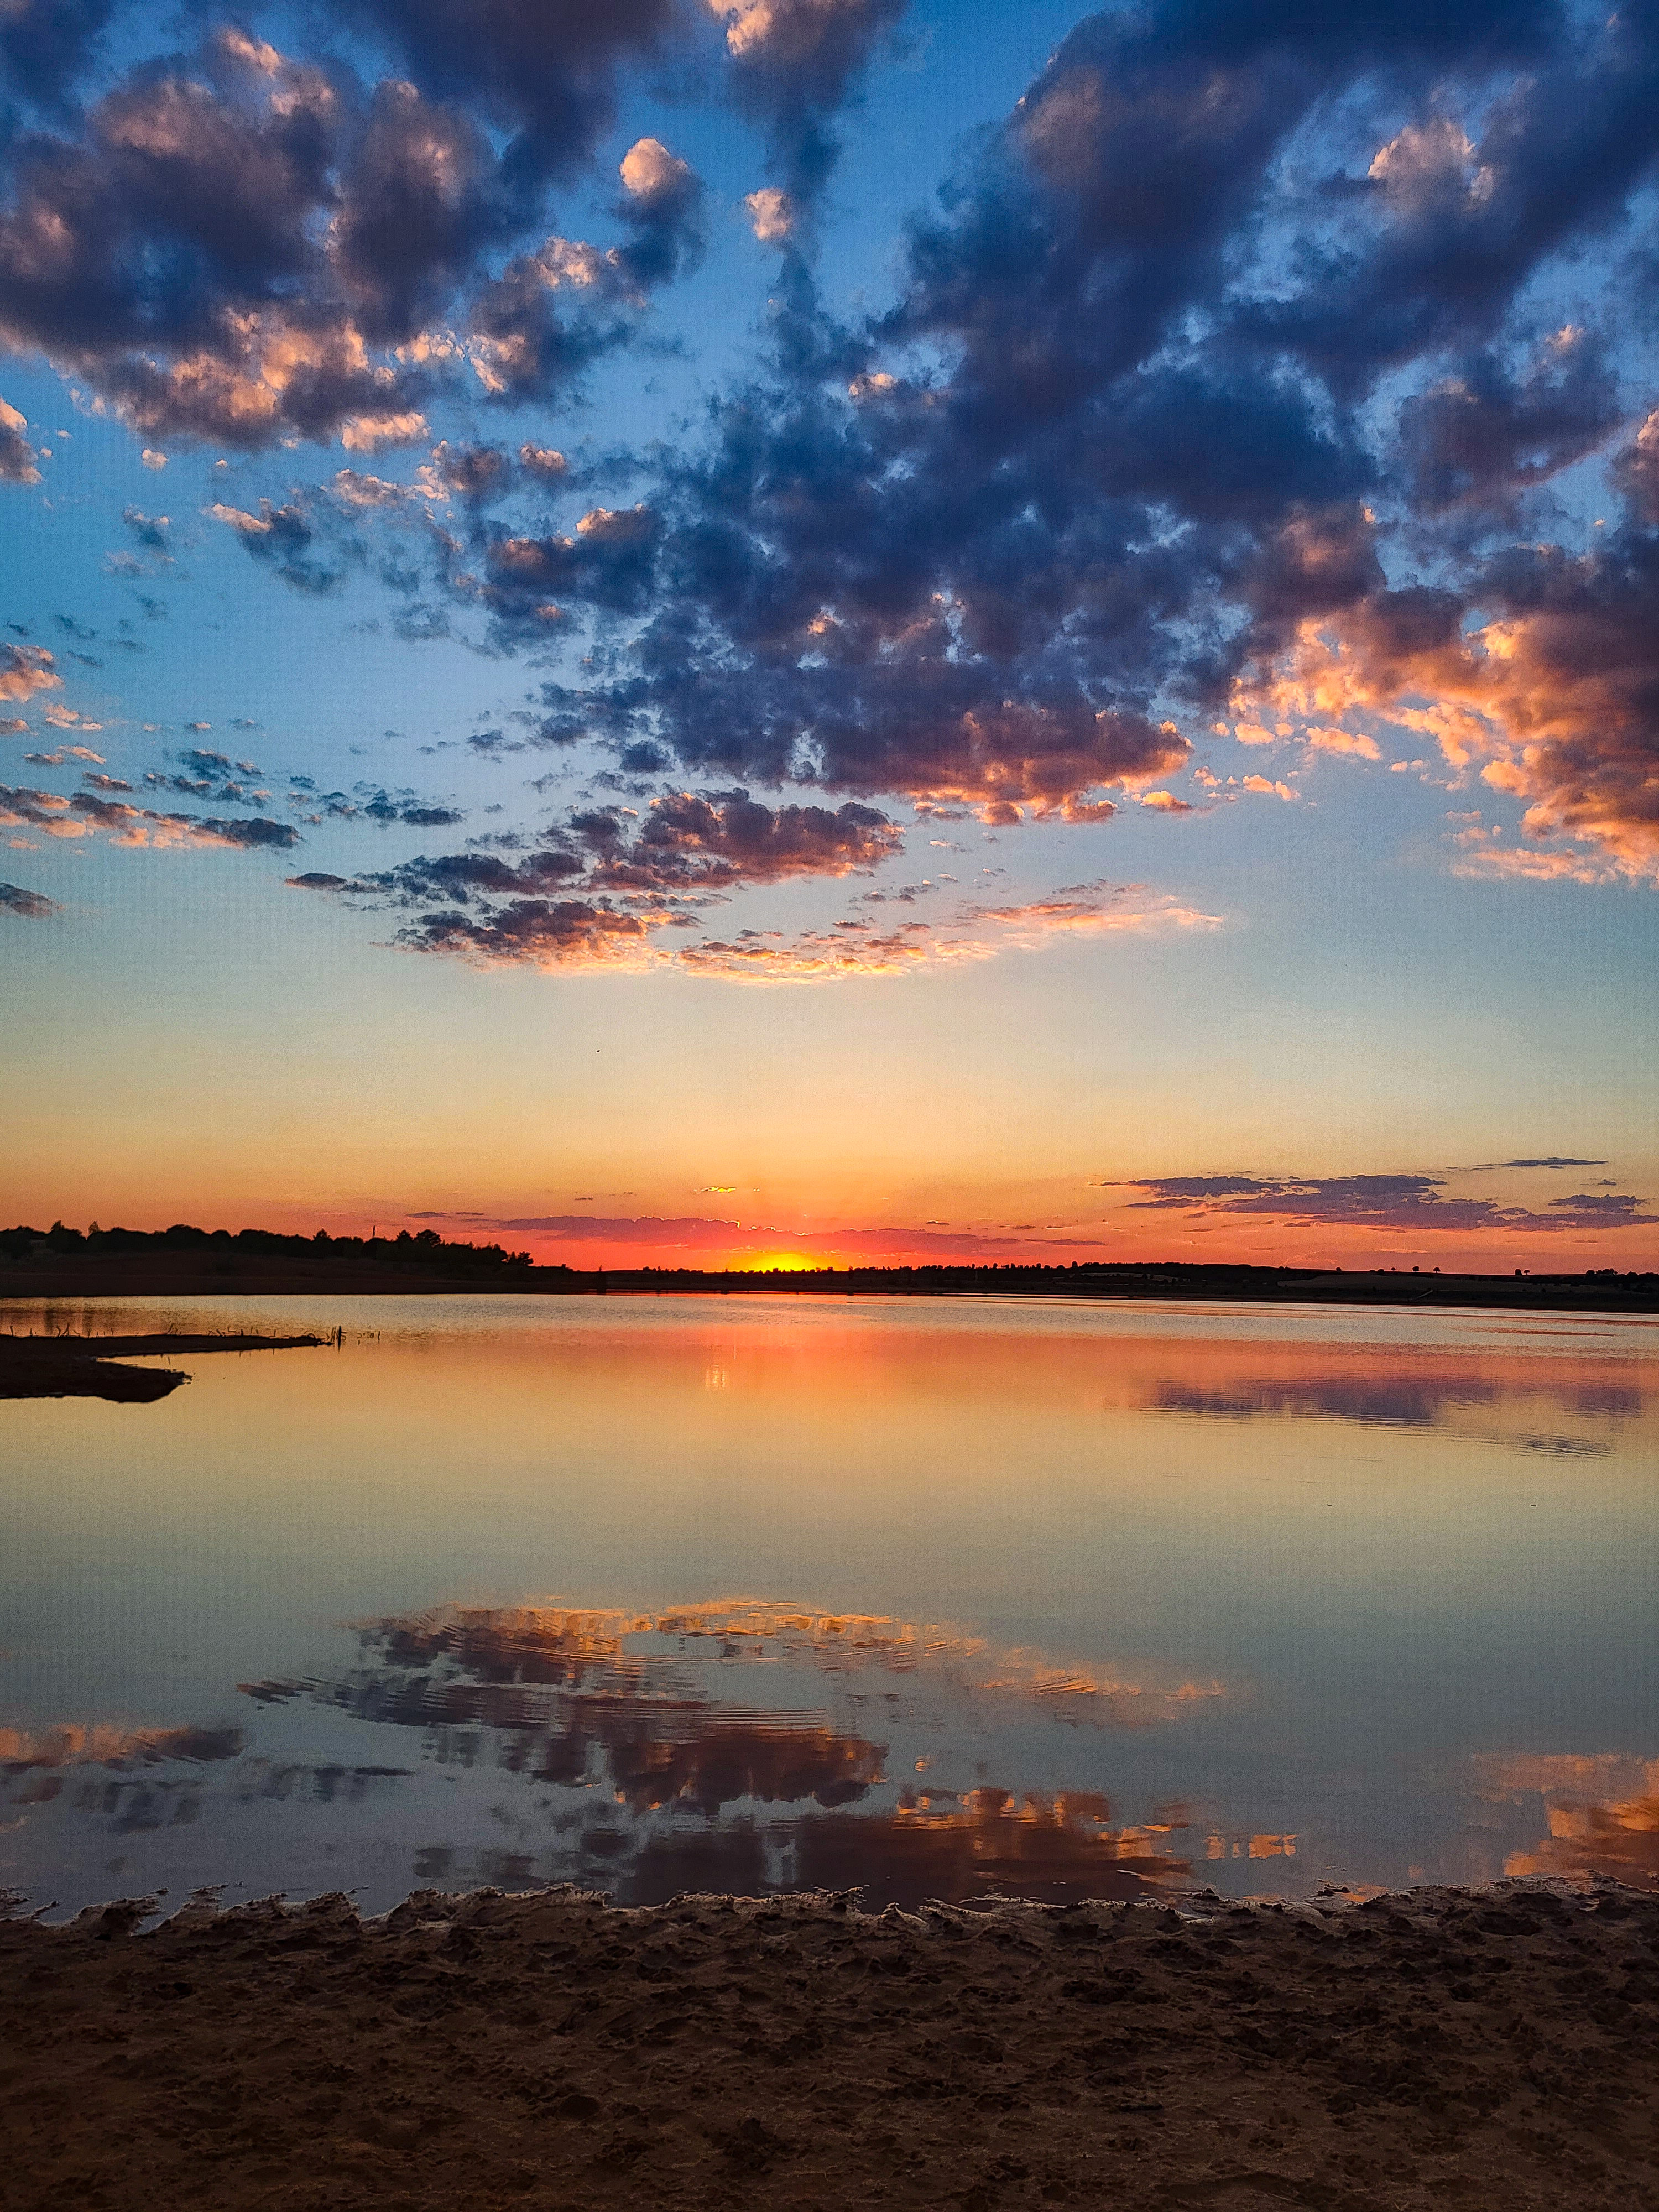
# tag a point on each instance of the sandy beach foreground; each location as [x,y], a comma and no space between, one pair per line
[1498,2047]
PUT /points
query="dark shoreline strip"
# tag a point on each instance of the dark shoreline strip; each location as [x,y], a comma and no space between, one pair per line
[1591,1294]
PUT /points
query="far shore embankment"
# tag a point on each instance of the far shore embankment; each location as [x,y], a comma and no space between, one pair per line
[378,1269]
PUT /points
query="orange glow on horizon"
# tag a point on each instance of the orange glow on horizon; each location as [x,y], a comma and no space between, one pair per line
[786,1263]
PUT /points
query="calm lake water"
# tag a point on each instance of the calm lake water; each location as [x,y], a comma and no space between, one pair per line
[936,1597]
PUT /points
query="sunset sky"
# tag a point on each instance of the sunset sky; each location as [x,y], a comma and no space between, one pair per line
[811,630]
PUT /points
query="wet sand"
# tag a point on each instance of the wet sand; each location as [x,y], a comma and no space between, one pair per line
[1486,2049]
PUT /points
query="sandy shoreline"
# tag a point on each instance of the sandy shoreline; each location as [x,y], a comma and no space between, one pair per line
[1487,2048]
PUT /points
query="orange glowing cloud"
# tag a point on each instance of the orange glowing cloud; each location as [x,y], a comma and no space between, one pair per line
[1551,702]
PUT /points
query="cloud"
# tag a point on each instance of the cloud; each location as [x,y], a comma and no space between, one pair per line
[771,214]
[533,933]
[17,456]
[374,803]
[686,840]
[1356,744]
[794,64]
[1002,575]
[29,906]
[46,44]
[705,1234]
[1378,1202]
[287,539]
[664,203]
[151,530]
[1229,373]
[605,884]
[1482,438]
[1587,1210]
[548,80]
[823,955]
[238,246]
[1091,909]
[26,669]
[1550,692]
[856,947]
[85,812]
[66,718]
[619,876]
[1636,471]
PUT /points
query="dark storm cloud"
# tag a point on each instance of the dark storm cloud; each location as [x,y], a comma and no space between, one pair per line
[1456,214]
[473,472]
[1232,379]
[794,64]
[687,842]
[46,44]
[1483,436]
[539,932]
[608,877]
[1380,1202]
[1129,465]
[1636,472]
[238,244]
[1555,683]
[29,906]
[546,69]
[459,877]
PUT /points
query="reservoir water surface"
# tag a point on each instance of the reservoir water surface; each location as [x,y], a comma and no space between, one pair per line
[928,1598]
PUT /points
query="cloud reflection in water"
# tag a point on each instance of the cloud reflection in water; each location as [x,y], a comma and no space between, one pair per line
[1603,1814]
[654,1779]
[1484,1404]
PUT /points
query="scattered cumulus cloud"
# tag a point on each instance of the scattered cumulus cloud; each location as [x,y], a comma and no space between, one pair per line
[1380,1202]
[86,813]
[18,458]
[26,669]
[26,906]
